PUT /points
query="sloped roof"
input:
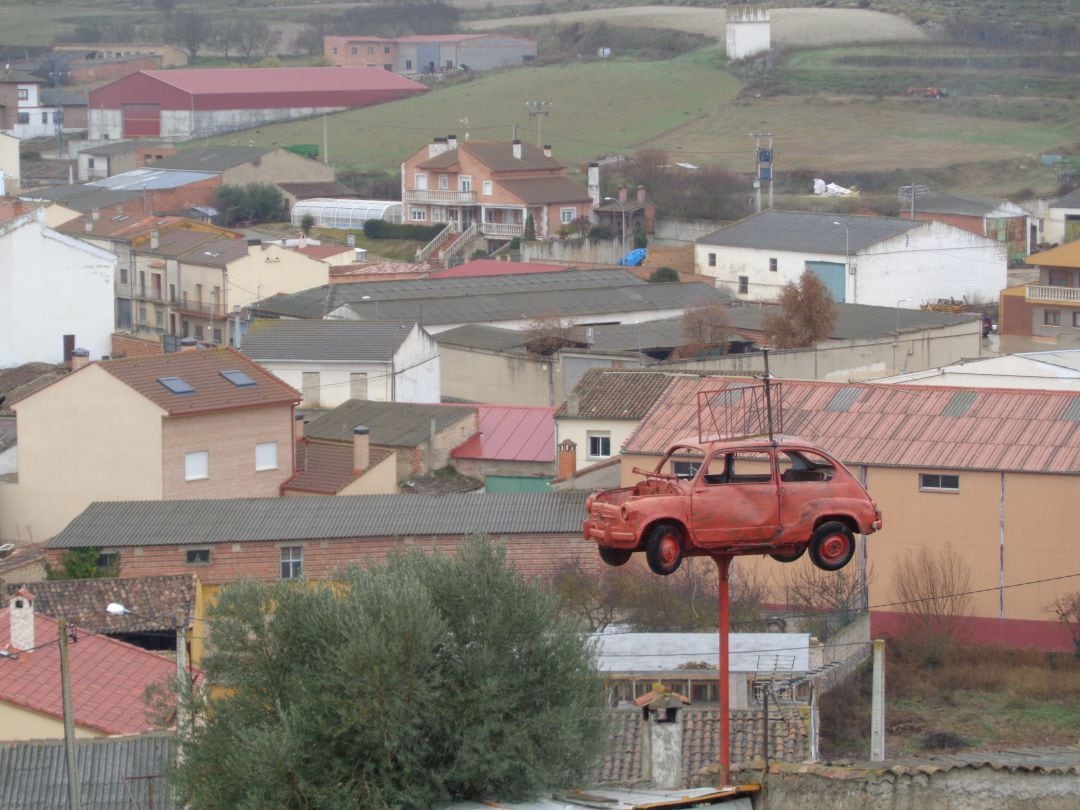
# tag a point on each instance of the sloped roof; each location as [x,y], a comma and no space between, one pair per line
[325,188]
[151,178]
[19,76]
[899,425]
[539,190]
[938,203]
[616,394]
[119,147]
[511,433]
[1062,358]
[216,81]
[202,370]
[482,336]
[497,156]
[1066,255]
[21,556]
[1070,200]
[809,232]
[327,468]
[324,341]
[153,600]
[237,520]
[21,381]
[82,198]
[493,267]
[108,677]
[111,771]
[322,251]
[211,158]
[392,424]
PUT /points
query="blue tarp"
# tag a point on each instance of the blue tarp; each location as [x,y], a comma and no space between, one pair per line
[634,258]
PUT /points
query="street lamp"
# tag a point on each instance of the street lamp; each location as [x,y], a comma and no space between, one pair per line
[622,210]
[847,260]
[375,301]
[898,303]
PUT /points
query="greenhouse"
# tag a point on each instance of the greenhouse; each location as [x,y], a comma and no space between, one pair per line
[345,213]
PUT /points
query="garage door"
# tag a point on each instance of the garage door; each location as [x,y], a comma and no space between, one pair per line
[142,120]
[832,275]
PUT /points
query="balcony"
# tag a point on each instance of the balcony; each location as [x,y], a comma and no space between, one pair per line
[143,294]
[1039,293]
[200,309]
[439,196]
[499,230]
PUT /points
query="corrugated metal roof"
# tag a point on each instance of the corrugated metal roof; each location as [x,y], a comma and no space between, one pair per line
[493,267]
[216,81]
[1031,760]
[151,179]
[324,341]
[960,403]
[604,393]
[214,159]
[808,232]
[898,425]
[392,424]
[113,772]
[1070,200]
[511,433]
[481,336]
[938,203]
[238,520]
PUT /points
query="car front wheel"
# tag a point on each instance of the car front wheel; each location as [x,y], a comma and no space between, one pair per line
[614,556]
[832,546]
[663,549]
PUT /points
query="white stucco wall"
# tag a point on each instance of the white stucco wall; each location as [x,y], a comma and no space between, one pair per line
[933,261]
[9,163]
[52,285]
[577,430]
[416,367]
[334,379]
[1053,225]
[748,32]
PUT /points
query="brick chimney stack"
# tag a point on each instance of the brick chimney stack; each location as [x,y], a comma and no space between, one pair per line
[547,150]
[622,194]
[79,358]
[516,144]
[641,194]
[21,616]
[567,458]
[661,751]
[361,442]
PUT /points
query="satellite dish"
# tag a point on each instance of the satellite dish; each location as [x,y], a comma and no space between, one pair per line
[6,549]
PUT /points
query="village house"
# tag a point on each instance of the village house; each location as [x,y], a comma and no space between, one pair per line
[1062,220]
[995,219]
[23,114]
[331,362]
[97,162]
[884,261]
[990,472]
[513,449]
[168,56]
[1048,309]
[331,467]
[429,53]
[192,424]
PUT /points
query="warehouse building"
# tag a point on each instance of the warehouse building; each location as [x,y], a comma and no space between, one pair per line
[186,104]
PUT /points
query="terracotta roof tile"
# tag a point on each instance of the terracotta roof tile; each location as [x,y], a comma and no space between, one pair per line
[498,156]
[327,467]
[616,393]
[202,371]
[546,189]
[108,677]
[154,601]
[898,425]
[21,381]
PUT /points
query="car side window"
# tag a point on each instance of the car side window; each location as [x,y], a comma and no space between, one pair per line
[797,466]
[716,470]
[750,467]
[683,462]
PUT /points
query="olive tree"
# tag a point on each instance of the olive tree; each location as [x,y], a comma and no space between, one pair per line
[427,679]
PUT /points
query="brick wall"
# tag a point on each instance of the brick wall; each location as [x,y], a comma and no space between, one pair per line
[533,555]
[128,346]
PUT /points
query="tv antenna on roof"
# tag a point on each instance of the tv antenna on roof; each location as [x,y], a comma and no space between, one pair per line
[465,121]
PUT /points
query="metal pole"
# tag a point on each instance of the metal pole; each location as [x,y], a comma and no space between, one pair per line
[69,717]
[184,684]
[768,394]
[877,704]
[723,565]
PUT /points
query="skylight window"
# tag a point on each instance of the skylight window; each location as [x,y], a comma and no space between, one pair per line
[238,378]
[177,385]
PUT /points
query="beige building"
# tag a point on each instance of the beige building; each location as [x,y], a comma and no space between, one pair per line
[192,424]
[168,55]
[9,165]
[240,165]
[995,474]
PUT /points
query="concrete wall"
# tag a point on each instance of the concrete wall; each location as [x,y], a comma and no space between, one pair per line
[681,231]
[334,379]
[51,285]
[86,438]
[416,369]
[230,438]
[585,251]
[183,125]
[9,164]
[17,723]
[748,32]
[1054,224]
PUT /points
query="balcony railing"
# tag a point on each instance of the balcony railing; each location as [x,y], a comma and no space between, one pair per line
[501,230]
[438,196]
[200,308]
[1060,295]
[143,294]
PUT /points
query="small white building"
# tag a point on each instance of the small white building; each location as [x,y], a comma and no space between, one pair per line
[1062,221]
[345,213]
[882,261]
[30,117]
[330,362]
[1045,371]
[52,285]
[9,165]
[748,31]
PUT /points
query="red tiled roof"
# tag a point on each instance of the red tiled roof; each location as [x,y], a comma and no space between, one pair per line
[207,81]
[380,269]
[899,425]
[511,433]
[108,677]
[202,371]
[327,467]
[493,267]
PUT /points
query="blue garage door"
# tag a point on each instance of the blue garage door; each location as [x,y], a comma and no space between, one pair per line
[832,275]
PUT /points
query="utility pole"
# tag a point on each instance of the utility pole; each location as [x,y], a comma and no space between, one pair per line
[763,155]
[877,704]
[69,716]
[539,110]
[184,684]
[325,142]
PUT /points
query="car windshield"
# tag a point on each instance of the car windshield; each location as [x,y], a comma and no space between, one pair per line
[682,462]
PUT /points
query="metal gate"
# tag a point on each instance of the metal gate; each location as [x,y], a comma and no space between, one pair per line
[832,276]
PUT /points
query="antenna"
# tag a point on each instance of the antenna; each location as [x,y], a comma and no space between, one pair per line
[539,110]
[764,157]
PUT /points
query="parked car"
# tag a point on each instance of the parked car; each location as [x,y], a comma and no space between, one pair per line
[752,496]
[987,322]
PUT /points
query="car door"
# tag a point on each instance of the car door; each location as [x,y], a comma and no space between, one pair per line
[735,499]
[807,490]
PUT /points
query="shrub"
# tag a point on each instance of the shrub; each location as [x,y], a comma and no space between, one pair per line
[943,740]
[381,229]
[640,239]
[663,275]
[601,232]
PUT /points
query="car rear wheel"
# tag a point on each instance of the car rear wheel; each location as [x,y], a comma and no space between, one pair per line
[663,549]
[832,546]
[614,556]
[791,557]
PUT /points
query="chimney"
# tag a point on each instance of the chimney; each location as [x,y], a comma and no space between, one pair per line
[188,344]
[547,150]
[21,616]
[622,194]
[155,239]
[298,432]
[641,194]
[572,405]
[79,358]
[436,147]
[594,183]
[516,144]
[361,448]
[661,750]
[95,214]
[451,141]
[567,459]
[69,347]
[88,226]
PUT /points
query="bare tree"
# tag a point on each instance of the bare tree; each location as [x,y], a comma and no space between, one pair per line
[227,35]
[806,316]
[546,334]
[932,587]
[1067,609]
[706,327]
[310,38]
[830,599]
[190,30]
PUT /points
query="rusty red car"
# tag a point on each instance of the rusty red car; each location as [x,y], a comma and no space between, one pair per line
[783,497]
